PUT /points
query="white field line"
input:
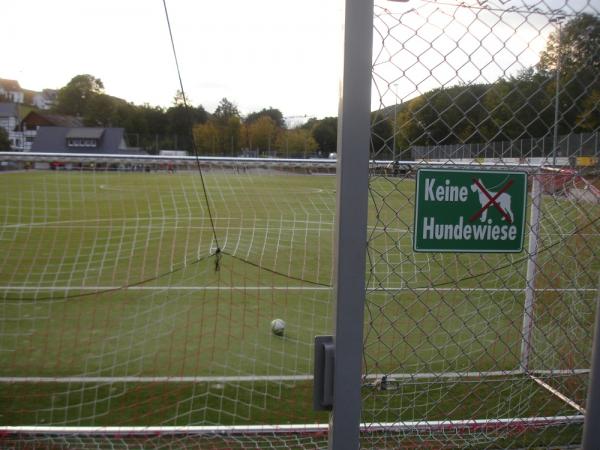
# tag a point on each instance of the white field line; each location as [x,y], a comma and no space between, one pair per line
[558,394]
[232,190]
[115,222]
[440,425]
[274,288]
[133,379]
[165,288]
[459,289]
[274,378]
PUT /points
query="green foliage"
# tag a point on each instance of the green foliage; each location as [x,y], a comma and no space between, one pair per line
[325,134]
[263,133]
[590,116]
[4,142]
[518,107]
[298,142]
[515,107]
[74,98]
[576,45]
[225,110]
[382,133]
[275,114]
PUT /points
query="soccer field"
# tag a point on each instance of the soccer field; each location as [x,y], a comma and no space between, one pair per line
[117,309]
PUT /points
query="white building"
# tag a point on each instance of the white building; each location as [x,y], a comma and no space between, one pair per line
[9,121]
[10,91]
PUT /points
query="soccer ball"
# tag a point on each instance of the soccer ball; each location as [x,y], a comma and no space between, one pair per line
[278,327]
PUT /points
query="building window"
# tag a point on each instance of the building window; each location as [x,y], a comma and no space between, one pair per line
[79,142]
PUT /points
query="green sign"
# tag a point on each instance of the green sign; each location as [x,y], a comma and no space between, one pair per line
[470,211]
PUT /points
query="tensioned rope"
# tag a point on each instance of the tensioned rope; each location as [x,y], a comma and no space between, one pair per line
[218,253]
[540,251]
[193,141]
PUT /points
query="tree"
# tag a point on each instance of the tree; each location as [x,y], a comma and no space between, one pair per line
[576,43]
[590,116]
[225,110]
[296,142]
[325,134]
[99,111]
[271,112]
[519,107]
[576,46]
[74,98]
[263,133]
[230,135]
[206,136]
[180,121]
[4,142]
[382,134]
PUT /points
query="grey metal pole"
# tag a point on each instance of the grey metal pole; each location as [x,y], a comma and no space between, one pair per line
[591,427]
[351,224]
[532,252]
[558,20]
[395,121]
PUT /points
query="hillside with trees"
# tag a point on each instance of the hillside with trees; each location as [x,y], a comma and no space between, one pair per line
[514,107]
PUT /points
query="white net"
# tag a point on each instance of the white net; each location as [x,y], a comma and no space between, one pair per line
[117,309]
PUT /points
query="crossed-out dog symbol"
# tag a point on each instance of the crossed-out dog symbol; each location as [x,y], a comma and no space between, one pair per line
[500,200]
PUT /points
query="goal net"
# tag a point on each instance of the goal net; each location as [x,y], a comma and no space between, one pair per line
[138,293]
[134,305]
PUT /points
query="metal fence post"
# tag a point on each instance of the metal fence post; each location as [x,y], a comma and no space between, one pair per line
[350,241]
[591,432]
[534,233]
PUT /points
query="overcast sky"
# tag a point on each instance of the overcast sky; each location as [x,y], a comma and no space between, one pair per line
[279,53]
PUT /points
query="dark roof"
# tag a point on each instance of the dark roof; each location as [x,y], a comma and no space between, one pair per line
[10,85]
[9,110]
[54,140]
[42,119]
[64,121]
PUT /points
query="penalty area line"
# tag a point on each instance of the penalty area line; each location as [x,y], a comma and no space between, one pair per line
[277,288]
[163,288]
[434,425]
[301,377]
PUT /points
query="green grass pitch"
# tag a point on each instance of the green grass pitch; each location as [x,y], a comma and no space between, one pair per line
[115,275]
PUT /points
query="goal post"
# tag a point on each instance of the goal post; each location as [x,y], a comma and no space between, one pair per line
[351,224]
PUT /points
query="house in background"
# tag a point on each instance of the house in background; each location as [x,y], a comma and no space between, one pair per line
[9,121]
[11,91]
[35,119]
[42,100]
[81,140]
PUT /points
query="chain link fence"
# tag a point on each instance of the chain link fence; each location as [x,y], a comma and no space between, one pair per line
[469,349]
